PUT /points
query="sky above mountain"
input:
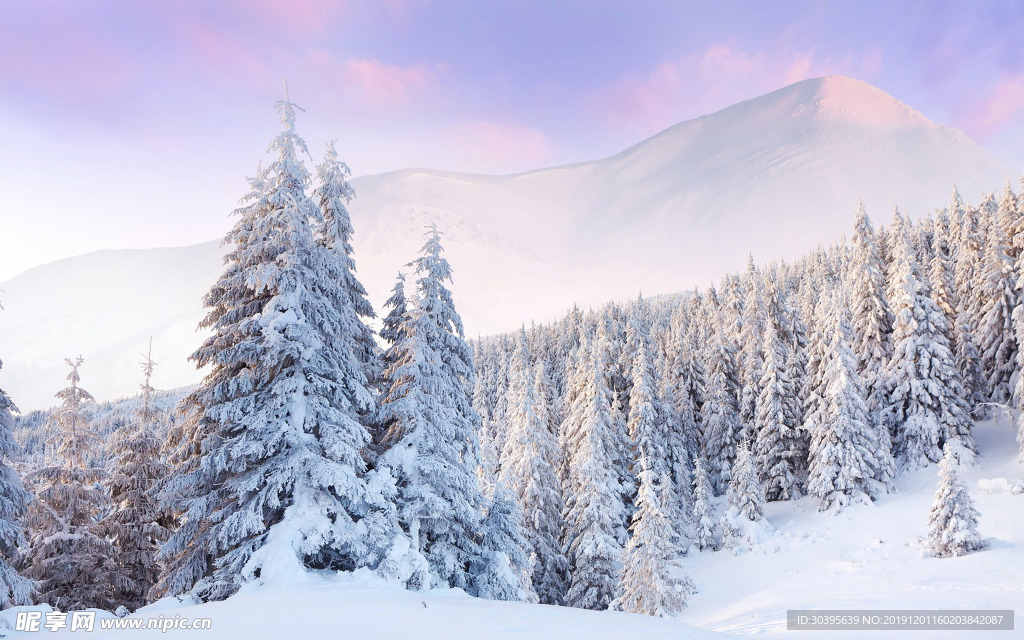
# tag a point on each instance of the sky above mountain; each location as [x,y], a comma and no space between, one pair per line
[134,124]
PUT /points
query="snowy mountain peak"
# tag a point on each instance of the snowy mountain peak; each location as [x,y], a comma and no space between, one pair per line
[855,101]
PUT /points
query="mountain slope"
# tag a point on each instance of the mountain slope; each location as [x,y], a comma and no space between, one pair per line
[773,176]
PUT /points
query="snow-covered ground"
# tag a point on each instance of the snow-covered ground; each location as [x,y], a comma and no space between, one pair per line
[865,558]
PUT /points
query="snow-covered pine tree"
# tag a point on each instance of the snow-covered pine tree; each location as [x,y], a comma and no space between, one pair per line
[966,245]
[814,391]
[703,510]
[997,291]
[137,525]
[647,429]
[795,336]
[743,523]
[483,403]
[503,572]
[720,413]
[849,457]
[530,472]
[594,508]
[953,520]
[776,444]
[611,340]
[432,446]
[14,589]
[1011,220]
[278,483]
[926,405]
[391,326]
[651,580]
[681,390]
[940,270]
[333,194]
[872,318]
[751,358]
[73,564]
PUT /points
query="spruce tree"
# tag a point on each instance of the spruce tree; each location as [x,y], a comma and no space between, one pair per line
[647,428]
[872,317]
[953,520]
[278,483]
[503,572]
[999,296]
[432,447]
[776,445]
[751,358]
[72,562]
[1010,219]
[849,456]
[966,244]
[137,525]
[530,472]
[651,581]
[940,271]
[14,589]
[703,510]
[743,523]
[391,326]
[594,507]
[926,405]
[720,414]
[333,194]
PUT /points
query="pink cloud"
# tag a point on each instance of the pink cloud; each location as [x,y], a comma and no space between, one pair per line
[1003,104]
[719,76]
[386,84]
[219,48]
[500,146]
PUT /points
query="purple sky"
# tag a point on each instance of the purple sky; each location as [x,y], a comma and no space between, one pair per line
[133,123]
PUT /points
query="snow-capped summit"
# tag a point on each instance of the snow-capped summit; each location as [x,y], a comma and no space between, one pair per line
[773,176]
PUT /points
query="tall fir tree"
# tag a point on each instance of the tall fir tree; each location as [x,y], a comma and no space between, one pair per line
[72,562]
[776,444]
[391,325]
[651,581]
[137,525]
[14,500]
[926,406]
[720,414]
[333,194]
[531,460]
[278,485]
[751,357]
[966,244]
[998,292]
[646,424]
[432,446]
[872,317]
[703,510]
[594,507]
[850,459]
[940,269]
